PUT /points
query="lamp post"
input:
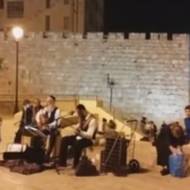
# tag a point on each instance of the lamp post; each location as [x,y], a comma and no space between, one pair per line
[18,34]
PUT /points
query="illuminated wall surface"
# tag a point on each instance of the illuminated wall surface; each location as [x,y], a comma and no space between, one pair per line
[151,76]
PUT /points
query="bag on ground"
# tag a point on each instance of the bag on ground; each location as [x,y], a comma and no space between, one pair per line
[177,165]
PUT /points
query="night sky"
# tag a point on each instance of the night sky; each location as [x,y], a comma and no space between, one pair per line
[147,16]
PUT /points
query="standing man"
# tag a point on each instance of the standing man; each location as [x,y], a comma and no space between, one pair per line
[85,133]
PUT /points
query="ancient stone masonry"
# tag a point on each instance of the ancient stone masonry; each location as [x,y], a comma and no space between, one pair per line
[151,75]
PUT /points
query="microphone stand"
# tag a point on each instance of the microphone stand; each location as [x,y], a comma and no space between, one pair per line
[111,84]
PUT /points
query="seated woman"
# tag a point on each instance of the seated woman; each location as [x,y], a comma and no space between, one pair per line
[177,139]
[169,141]
[39,141]
[110,131]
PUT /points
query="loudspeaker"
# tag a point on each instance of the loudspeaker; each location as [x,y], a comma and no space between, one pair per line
[13,155]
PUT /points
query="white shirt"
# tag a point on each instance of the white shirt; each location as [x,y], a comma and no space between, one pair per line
[92,127]
[48,110]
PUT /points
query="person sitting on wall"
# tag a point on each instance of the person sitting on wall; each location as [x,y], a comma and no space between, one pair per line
[111,129]
[26,119]
[85,133]
[142,126]
[169,141]
[150,132]
[187,122]
[103,127]
[53,116]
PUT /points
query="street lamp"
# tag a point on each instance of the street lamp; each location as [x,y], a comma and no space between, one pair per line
[18,34]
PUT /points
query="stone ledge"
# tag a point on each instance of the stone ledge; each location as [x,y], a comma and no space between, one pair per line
[97,36]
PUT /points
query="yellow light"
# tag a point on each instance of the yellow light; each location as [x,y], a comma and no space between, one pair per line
[17,33]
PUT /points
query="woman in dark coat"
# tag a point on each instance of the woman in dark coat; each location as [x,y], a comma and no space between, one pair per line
[162,147]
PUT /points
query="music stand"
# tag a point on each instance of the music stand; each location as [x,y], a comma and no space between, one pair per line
[34,131]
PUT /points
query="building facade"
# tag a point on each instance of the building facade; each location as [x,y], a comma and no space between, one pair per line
[94,19]
[43,15]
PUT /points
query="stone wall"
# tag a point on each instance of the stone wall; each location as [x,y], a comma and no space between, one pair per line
[151,76]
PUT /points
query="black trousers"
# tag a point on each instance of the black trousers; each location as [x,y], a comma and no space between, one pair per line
[77,147]
[20,132]
[18,136]
[52,141]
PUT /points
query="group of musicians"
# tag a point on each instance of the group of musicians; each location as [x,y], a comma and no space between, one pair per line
[48,120]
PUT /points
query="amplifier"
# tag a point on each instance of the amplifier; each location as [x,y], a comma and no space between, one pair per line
[114,156]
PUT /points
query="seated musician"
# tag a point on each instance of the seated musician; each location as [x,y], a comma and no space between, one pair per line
[27,115]
[39,139]
[53,114]
[85,133]
[36,108]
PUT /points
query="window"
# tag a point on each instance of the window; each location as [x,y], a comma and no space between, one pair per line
[15,9]
[1,4]
[48,2]
[66,23]
[66,2]
[170,36]
[47,23]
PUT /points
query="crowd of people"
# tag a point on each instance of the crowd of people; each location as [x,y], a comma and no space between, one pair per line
[168,140]
[47,119]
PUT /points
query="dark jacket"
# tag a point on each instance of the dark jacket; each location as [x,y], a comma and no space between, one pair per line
[27,117]
[162,145]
